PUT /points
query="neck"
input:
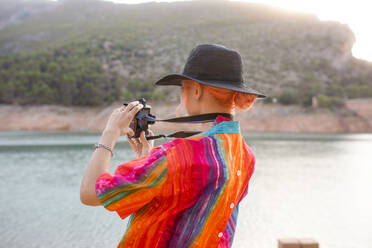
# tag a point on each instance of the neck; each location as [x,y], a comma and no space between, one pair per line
[211,108]
[209,104]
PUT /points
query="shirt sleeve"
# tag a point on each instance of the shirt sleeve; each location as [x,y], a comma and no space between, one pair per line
[134,183]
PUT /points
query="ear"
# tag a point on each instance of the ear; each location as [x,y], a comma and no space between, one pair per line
[197,90]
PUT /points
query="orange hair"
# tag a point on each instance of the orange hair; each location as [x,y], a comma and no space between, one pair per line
[234,99]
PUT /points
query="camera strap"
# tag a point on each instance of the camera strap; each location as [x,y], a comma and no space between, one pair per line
[193,119]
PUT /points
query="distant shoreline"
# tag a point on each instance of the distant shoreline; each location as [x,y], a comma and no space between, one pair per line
[355,117]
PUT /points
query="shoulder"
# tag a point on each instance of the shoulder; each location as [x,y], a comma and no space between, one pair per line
[182,143]
[205,146]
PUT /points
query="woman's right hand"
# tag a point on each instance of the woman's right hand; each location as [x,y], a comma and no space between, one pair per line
[121,118]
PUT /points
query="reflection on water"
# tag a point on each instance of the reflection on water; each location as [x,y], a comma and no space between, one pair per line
[304,185]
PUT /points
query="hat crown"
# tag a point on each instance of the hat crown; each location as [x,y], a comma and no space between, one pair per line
[213,65]
[214,62]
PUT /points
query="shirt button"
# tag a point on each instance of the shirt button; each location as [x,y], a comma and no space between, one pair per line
[238,173]
[231,205]
[220,234]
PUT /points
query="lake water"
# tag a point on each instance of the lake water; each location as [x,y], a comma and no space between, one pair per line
[305,185]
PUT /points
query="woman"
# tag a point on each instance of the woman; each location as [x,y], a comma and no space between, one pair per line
[184,193]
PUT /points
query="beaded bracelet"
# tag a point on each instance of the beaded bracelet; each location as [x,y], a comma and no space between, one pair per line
[104,146]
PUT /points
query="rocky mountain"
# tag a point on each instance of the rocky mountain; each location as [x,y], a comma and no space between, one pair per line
[284,52]
[16,12]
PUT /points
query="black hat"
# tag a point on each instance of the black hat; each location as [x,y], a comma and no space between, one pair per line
[213,65]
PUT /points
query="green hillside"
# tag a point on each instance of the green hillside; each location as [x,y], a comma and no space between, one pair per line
[77,52]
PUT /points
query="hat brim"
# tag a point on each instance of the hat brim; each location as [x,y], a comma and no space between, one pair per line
[176,79]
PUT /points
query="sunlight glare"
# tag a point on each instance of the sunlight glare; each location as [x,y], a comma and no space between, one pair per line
[356,14]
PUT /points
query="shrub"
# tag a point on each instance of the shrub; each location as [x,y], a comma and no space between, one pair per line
[359,91]
[330,102]
[64,75]
[268,99]
[288,98]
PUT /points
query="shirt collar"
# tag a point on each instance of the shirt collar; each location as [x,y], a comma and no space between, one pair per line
[222,125]
[219,119]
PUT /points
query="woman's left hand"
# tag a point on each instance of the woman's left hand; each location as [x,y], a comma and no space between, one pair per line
[141,146]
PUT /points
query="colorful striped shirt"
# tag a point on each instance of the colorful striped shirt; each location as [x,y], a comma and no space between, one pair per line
[185,193]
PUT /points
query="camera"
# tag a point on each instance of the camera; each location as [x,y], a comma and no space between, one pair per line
[142,120]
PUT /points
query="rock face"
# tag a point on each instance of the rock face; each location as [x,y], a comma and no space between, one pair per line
[362,109]
[355,118]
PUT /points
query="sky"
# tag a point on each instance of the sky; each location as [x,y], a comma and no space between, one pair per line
[354,13]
